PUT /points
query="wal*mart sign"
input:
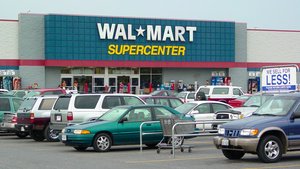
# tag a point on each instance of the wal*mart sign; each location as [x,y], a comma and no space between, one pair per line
[279,79]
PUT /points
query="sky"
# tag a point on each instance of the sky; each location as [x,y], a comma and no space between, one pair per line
[258,14]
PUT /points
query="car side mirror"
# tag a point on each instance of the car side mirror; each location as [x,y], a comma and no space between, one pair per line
[123,119]
[296,115]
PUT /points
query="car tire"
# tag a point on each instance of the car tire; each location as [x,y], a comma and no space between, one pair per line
[270,149]
[233,155]
[102,142]
[51,135]
[37,135]
[80,148]
[22,134]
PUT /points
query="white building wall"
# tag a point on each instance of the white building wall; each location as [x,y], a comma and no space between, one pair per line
[9,40]
[273,46]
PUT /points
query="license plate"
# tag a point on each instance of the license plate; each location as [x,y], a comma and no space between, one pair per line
[22,129]
[63,137]
[225,142]
[58,118]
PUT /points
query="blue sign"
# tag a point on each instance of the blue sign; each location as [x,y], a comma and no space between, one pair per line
[109,38]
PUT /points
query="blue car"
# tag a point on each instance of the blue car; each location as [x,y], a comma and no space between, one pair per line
[272,130]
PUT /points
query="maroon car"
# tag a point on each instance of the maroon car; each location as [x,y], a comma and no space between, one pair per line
[238,102]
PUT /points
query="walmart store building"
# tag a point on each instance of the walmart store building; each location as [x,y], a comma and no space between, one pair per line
[97,52]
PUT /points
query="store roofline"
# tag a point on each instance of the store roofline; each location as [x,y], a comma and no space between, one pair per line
[273,30]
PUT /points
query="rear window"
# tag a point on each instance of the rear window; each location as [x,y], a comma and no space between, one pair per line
[220,90]
[62,103]
[111,102]
[27,104]
[181,95]
[32,93]
[4,104]
[47,104]
[149,101]
[86,102]
[191,96]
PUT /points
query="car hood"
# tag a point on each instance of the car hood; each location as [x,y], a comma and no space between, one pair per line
[246,110]
[252,122]
[88,125]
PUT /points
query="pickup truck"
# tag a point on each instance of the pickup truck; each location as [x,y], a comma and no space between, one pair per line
[271,131]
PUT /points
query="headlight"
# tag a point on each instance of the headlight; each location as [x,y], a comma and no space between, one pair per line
[221,131]
[63,130]
[249,132]
[82,132]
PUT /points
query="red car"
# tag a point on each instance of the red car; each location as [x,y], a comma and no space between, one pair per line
[45,91]
[238,102]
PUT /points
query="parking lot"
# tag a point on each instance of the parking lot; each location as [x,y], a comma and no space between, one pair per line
[29,154]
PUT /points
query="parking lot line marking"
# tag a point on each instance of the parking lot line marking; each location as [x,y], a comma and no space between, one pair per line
[168,160]
[272,167]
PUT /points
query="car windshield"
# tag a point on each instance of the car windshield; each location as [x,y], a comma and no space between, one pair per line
[181,95]
[113,114]
[185,108]
[276,106]
[254,101]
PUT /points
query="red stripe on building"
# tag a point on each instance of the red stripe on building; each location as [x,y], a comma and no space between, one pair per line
[108,63]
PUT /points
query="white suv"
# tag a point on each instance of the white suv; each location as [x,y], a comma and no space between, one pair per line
[221,93]
[77,108]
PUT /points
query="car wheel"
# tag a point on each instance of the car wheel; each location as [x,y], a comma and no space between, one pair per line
[80,148]
[270,149]
[22,134]
[51,135]
[178,141]
[102,142]
[233,155]
[37,135]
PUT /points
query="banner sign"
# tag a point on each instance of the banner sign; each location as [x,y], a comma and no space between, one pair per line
[279,78]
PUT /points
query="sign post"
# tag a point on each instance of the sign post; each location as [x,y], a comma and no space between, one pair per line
[281,78]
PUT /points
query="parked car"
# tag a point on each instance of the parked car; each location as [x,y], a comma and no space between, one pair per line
[221,93]
[239,101]
[18,93]
[77,108]
[202,110]
[163,93]
[46,91]
[271,131]
[8,106]
[33,117]
[170,101]
[187,96]
[250,106]
[119,126]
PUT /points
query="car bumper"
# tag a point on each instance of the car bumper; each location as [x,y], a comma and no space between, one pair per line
[10,127]
[242,144]
[77,140]
[58,126]
[24,127]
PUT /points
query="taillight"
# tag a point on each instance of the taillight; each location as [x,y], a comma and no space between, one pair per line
[70,116]
[31,117]
[14,119]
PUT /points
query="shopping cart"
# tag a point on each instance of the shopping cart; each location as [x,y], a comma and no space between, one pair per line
[166,142]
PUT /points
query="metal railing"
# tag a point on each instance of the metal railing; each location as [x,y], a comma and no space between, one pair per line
[201,132]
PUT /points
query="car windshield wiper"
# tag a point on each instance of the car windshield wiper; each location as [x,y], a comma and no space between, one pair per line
[254,105]
[267,114]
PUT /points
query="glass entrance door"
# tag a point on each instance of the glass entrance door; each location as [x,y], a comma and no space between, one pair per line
[123,83]
[135,87]
[84,84]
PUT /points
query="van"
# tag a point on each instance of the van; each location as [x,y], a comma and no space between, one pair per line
[77,108]
[221,93]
